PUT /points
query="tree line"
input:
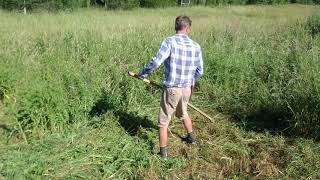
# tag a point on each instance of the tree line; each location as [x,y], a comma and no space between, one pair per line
[129,4]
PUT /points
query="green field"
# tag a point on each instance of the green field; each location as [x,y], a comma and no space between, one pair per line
[68,109]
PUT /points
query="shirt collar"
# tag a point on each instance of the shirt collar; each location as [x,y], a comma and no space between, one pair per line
[183,35]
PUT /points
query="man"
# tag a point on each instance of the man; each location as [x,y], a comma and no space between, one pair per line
[183,63]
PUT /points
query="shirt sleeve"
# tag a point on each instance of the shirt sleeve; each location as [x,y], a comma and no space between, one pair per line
[199,70]
[158,59]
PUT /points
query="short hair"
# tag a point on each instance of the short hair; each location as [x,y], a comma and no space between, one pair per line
[182,22]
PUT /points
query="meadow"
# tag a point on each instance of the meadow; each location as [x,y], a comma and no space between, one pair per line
[68,109]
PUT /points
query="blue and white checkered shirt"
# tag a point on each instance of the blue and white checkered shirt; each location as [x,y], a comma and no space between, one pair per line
[182,60]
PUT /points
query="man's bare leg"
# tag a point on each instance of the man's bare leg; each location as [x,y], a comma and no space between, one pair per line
[163,136]
[187,123]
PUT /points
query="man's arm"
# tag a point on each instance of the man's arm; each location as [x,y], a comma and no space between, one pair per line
[199,70]
[156,61]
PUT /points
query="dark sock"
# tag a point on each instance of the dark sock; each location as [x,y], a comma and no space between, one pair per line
[163,150]
[164,153]
[190,136]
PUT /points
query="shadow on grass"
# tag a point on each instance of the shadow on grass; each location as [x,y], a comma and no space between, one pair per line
[5,128]
[272,120]
[130,121]
[300,119]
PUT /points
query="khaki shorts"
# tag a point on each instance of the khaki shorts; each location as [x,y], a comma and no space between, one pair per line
[173,99]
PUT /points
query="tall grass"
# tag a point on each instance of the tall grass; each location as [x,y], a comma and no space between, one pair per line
[259,65]
[68,69]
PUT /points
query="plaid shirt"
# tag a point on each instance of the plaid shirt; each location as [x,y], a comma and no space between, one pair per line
[182,60]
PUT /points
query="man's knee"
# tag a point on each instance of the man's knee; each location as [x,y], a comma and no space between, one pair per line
[181,115]
[186,118]
[163,123]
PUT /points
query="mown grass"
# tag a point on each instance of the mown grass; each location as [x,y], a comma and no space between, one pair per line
[69,109]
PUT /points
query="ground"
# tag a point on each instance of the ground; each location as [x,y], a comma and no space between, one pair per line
[71,110]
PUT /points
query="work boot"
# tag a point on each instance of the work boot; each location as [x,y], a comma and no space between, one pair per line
[163,153]
[189,139]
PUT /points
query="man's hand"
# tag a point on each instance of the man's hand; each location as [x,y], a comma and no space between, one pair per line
[196,86]
[140,77]
[136,75]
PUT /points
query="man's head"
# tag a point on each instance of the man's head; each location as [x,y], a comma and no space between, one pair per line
[183,24]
